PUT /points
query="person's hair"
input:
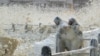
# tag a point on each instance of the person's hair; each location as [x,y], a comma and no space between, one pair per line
[57,20]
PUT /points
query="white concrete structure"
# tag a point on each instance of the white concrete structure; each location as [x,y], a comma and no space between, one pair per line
[50,41]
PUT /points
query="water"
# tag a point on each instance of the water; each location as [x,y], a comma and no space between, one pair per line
[88,17]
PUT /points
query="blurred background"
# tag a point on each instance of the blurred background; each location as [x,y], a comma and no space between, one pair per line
[15,15]
[48,3]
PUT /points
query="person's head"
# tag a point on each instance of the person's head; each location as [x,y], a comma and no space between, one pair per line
[46,51]
[72,21]
[57,20]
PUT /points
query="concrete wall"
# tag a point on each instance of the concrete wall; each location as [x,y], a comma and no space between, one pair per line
[48,3]
[80,3]
[4,1]
[21,0]
[69,1]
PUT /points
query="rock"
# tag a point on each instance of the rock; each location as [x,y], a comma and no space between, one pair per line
[7,46]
